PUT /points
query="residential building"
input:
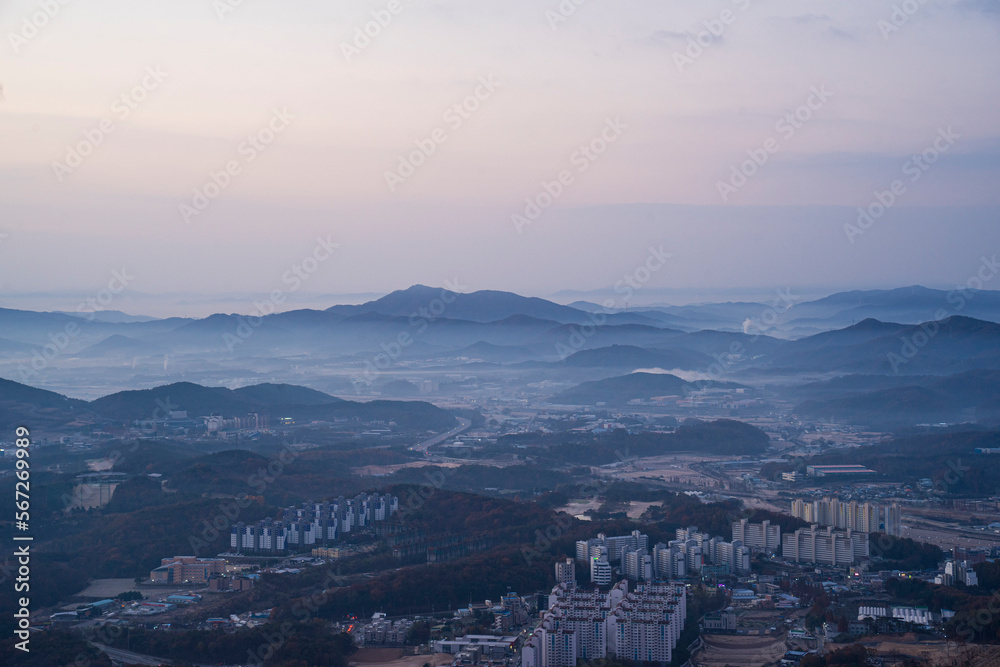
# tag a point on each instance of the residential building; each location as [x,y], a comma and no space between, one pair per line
[643,625]
[825,547]
[600,571]
[669,562]
[616,546]
[862,517]
[638,565]
[301,528]
[566,571]
[383,632]
[958,572]
[757,536]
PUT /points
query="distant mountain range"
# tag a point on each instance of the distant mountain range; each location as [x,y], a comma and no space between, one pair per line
[22,404]
[618,391]
[484,315]
[425,337]
[892,401]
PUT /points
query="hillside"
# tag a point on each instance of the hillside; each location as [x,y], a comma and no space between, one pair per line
[622,389]
[19,402]
[481,306]
[903,400]
[23,405]
[947,459]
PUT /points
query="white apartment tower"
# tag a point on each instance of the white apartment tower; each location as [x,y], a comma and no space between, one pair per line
[589,625]
[566,572]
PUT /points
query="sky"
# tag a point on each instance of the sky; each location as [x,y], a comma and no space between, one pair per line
[207,148]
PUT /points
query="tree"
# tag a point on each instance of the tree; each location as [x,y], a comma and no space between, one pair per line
[419,634]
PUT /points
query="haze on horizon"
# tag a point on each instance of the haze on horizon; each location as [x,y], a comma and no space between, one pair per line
[683,117]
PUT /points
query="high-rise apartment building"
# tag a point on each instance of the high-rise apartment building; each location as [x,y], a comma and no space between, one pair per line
[824,546]
[566,571]
[643,625]
[757,536]
[863,517]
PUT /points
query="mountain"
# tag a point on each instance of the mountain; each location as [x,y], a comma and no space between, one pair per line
[285,394]
[891,401]
[481,306]
[864,331]
[944,347]
[15,392]
[620,390]
[888,408]
[20,403]
[195,399]
[729,316]
[850,385]
[910,305]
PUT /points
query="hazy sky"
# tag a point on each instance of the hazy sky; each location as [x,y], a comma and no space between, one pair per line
[871,91]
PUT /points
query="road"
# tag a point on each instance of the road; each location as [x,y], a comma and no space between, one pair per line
[463,424]
[120,656]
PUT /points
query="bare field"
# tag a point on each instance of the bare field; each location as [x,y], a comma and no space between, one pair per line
[763,504]
[673,468]
[578,507]
[102,589]
[389,469]
[723,650]
[938,652]
[636,509]
[393,657]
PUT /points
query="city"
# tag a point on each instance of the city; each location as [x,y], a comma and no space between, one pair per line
[428,333]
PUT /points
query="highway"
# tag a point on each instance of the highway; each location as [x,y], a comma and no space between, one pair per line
[463,424]
[128,657]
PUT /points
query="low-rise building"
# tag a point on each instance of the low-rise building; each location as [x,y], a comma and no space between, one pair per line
[187,569]
[719,621]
